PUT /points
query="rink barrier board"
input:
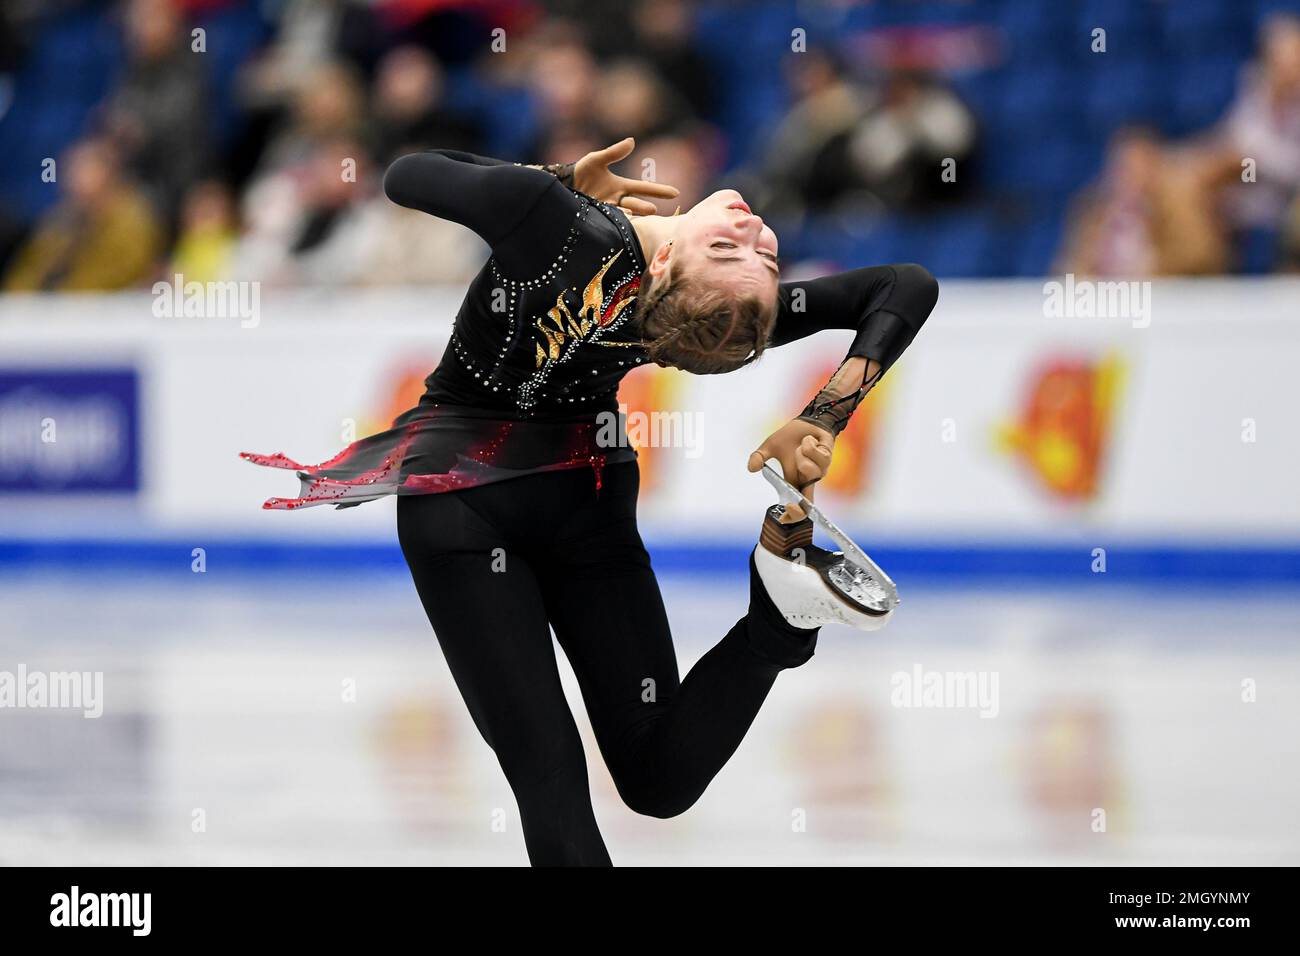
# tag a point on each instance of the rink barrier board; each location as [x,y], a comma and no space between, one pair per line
[1144,563]
[952,449]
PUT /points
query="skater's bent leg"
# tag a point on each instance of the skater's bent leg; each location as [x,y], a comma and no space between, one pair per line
[672,759]
[663,740]
[487,612]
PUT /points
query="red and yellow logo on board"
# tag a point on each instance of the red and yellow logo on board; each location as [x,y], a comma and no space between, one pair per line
[402,393]
[1063,429]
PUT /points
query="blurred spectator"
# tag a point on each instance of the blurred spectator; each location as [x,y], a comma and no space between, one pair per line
[328,104]
[157,117]
[410,248]
[563,77]
[634,101]
[1151,214]
[689,160]
[1264,125]
[912,127]
[1289,260]
[663,35]
[311,222]
[568,144]
[407,112]
[104,234]
[841,142]
[308,33]
[12,43]
[208,233]
[805,163]
[579,74]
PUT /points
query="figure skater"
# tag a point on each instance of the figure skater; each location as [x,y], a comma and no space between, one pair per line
[517,519]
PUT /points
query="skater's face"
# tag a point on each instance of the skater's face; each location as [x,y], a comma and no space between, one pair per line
[721,244]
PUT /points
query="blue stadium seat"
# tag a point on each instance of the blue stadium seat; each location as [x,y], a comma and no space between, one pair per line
[1033,246]
[1046,164]
[74,59]
[1036,30]
[1203,88]
[959,245]
[1257,250]
[1048,95]
[1130,25]
[1124,91]
[508,115]
[982,91]
[1206,27]
[1267,8]
[233,36]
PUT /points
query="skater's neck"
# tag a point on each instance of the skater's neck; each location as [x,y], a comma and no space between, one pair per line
[653,232]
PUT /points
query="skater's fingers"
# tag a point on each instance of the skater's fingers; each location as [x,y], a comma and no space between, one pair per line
[806,469]
[643,187]
[641,207]
[795,512]
[820,455]
[765,453]
[620,150]
[790,468]
[811,462]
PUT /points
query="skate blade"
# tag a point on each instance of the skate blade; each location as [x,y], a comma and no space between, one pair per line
[862,575]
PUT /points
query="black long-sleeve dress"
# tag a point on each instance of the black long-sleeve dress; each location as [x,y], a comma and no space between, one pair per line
[547,331]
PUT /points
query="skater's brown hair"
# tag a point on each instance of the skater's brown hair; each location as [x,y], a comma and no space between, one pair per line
[700,329]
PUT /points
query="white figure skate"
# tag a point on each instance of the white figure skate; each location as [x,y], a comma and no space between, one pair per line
[813,586]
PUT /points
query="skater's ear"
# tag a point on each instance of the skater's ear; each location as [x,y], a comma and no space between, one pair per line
[661,262]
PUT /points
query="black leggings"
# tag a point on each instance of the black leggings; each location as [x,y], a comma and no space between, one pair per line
[495,565]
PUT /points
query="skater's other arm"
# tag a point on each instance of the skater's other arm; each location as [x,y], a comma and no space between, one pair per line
[497,199]
[885,305]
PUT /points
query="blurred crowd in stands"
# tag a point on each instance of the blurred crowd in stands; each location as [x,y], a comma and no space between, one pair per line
[226,139]
[1174,207]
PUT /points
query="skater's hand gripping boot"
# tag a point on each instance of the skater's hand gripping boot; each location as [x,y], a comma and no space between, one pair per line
[803,450]
[810,585]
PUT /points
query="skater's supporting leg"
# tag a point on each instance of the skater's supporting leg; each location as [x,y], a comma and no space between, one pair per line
[663,741]
[491,624]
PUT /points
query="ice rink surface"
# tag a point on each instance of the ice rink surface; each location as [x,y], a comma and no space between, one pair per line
[289,720]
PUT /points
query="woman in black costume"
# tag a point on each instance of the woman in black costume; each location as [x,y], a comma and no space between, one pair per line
[516,517]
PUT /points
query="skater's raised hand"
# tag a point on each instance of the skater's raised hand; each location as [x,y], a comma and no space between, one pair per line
[804,451]
[592,175]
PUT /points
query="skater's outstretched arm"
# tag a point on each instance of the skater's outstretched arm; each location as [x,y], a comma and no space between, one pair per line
[886,306]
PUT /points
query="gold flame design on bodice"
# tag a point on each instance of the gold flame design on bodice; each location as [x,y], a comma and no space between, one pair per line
[559,326]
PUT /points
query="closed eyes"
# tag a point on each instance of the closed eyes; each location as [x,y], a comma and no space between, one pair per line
[764,253]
